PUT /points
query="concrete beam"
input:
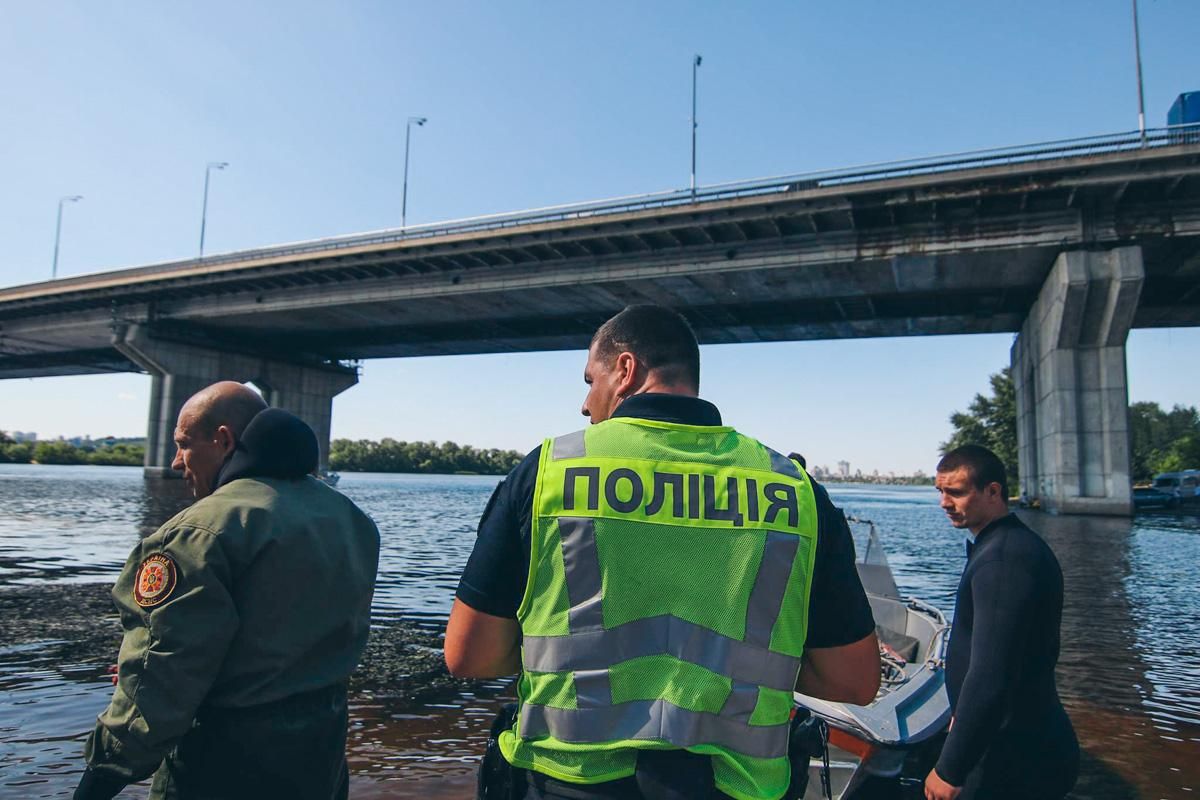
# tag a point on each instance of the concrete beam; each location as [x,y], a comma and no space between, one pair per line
[1068,366]
[180,370]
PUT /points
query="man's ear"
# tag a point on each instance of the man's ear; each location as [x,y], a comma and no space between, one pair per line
[629,376]
[225,439]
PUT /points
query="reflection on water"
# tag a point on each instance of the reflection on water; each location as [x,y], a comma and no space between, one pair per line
[1129,671]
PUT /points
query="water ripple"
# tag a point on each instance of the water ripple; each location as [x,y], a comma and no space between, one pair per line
[1129,670]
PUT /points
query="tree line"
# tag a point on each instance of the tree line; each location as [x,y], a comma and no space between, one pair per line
[389,455]
[1160,440]
[115,455]
[349,455]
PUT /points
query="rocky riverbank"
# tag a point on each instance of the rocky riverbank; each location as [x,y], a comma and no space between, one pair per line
[76,624]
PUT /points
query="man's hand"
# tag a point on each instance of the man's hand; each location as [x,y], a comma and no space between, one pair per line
[938,789]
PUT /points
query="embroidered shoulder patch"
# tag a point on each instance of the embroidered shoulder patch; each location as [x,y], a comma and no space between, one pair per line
[155,580]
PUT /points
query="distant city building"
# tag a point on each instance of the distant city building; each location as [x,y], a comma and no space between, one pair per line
[24,436]
[843,469]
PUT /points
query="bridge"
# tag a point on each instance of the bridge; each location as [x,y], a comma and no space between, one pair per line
[1069,244]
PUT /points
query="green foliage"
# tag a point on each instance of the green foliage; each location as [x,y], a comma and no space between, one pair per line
[15,453]
[119,455]
[122,454]
[1163,441]
[58,453]
[389,455]
[992,422]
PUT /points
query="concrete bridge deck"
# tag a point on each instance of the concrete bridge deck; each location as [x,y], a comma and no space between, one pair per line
[960,248]
[1102,233]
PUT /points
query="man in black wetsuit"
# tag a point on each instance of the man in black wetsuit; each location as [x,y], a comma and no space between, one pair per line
[1009,735]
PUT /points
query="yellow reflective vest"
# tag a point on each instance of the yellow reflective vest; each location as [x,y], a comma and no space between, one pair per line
[666,604]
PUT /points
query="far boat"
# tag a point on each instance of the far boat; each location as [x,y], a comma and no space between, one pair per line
[911,708]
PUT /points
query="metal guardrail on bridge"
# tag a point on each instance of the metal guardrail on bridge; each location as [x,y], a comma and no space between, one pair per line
[946,163]
[1091,145]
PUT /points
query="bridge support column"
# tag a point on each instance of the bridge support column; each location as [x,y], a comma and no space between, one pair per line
[1068,368]
[180,370]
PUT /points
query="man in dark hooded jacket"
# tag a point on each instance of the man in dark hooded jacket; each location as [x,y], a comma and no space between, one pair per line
[244,616]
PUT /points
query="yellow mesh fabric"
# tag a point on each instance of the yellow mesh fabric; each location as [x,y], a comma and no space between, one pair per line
[748,778]
[774,707]
[670,441]
[685,685]
[554,689]
[650,570]
[548,616]
[568,762]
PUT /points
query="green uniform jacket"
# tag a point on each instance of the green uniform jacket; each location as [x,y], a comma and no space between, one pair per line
[258,592]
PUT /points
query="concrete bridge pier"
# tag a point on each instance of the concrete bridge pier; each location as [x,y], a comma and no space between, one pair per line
[180,370]
[1068,367]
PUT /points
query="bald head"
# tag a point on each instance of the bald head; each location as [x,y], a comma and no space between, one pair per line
[226,403]
[210,424]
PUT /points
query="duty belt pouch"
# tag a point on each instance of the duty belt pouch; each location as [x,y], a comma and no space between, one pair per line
[674,775]
[804,742]
[497,779]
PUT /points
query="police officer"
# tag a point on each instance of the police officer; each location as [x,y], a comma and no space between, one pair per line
[244,616]
[650,578]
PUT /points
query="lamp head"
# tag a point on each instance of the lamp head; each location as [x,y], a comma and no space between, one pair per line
[218,164]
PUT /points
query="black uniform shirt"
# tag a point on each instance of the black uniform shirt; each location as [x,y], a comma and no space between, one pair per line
[494,579]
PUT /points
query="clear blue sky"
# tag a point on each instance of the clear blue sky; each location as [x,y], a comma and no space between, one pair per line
[533,104]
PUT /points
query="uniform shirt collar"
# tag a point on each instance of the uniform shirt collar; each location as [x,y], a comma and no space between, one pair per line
[676,408]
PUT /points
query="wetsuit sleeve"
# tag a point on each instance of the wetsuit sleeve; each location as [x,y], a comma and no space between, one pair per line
[494,579]
[179,618]
[838,611]
[1003,596]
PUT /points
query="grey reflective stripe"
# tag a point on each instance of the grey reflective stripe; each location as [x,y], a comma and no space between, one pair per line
[770,586]
[570,445]
[581,565]
[783,465]
[653,719]
[741,702]
[600,649]
[592,689]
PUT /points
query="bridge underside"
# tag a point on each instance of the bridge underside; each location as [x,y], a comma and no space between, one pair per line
[963,252]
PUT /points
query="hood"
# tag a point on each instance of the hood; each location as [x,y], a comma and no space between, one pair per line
[275,444]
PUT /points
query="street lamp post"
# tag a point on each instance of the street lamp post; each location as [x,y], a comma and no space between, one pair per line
[404,195]
[695,67]
[1137,47]
[204,207]
[75,198]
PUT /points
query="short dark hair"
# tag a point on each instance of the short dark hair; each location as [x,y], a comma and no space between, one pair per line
[982,465]
[659,337]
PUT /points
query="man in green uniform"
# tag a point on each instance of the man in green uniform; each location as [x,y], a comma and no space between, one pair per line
[244,616]
[650,578]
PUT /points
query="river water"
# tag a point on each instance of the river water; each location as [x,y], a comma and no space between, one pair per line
[1129,672]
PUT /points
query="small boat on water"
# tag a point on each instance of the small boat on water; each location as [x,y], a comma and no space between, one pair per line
[911,708]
